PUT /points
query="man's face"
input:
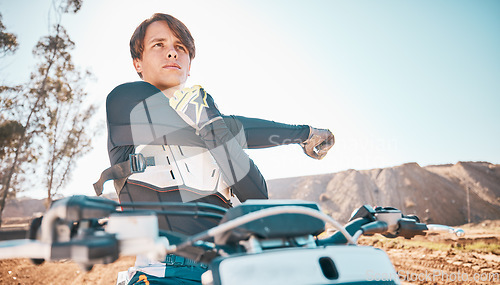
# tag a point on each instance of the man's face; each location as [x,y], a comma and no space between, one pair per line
[165,60]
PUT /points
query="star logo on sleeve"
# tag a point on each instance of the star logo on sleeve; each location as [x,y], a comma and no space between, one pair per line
[191,102]
[199,100]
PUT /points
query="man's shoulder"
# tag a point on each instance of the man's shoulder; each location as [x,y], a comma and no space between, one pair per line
[135,91]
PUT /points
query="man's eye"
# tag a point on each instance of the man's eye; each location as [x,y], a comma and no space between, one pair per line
[182,48]
[158,45]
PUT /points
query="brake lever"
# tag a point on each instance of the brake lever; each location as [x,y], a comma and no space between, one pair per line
[442,228]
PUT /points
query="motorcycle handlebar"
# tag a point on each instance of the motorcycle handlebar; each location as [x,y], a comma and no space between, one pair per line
[389,222]
[442,228]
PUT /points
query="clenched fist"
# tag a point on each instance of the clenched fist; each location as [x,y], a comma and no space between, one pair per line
[320,141]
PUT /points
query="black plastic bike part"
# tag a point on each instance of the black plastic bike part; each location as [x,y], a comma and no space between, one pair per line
[328,268]
[10,234]
[195,209]
[183,213]
[253,208]
[409,228]
[338,238]
[374,227]
[365,211]
[196,205]
[33,235]
[276,226]
[80,207]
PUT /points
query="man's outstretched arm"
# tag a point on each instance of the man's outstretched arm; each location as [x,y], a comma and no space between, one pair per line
[263,133]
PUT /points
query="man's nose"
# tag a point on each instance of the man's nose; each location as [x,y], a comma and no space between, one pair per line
[172,53]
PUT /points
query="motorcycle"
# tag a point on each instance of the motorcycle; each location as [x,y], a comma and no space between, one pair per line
[257,242]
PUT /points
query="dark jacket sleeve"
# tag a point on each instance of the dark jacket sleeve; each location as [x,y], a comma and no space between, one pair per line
[261,133]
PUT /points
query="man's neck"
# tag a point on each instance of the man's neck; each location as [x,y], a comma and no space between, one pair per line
[169,92]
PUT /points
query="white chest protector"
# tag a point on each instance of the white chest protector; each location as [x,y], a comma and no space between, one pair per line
[178,166]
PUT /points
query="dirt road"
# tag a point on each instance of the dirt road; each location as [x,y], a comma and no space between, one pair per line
[434,259]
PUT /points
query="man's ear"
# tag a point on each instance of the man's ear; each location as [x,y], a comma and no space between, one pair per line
[137,65]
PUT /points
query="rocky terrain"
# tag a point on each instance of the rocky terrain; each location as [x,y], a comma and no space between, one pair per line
[446,194]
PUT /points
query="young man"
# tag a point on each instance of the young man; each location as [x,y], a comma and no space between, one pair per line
[192,151]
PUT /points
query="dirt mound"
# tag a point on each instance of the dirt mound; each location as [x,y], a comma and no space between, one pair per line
[446,194]
[444,258]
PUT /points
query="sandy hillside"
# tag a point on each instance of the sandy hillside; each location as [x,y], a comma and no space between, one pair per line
[446,194]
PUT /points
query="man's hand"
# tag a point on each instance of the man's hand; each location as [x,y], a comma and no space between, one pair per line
[320,141]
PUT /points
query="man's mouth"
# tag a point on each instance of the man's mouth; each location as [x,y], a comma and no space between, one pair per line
[171,66]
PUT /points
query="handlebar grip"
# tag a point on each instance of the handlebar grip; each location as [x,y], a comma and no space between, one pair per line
[80,207]
[409,228]
[91,250]
[338,238]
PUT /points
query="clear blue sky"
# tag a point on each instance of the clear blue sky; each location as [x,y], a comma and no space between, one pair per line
[396,81]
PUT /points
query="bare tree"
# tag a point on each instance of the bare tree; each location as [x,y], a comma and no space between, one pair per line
[64,117]
[49,113]
[8,41]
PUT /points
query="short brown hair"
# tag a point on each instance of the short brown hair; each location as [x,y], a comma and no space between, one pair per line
[177,27]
